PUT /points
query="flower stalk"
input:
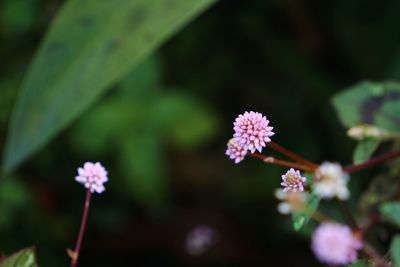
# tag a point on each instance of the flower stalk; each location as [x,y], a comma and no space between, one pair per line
[75,254]
[273,160]
[373,161]
[292,155]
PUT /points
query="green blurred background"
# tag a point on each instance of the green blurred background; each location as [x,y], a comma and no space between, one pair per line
[162,131]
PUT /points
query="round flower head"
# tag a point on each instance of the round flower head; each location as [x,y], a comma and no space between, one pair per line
[200,239]
[252,131]
[331,181]
[235,151]
[291,201]
[92,176]
[335,244]
[292,181]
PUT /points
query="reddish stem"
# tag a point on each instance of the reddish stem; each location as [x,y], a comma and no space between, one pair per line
[272,160]
[375,256]
[75,257]
[292,155]
[374,161]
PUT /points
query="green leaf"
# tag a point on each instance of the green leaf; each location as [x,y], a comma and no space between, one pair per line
[395,250]
[364,149]
[301,218]
[22,258]
[89,46]
[359,263]
[371,103]
[391,210]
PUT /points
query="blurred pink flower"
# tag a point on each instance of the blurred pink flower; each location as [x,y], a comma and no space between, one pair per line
[335,244]
[235,151]
[252,131]
[331,181]
[92,176]
[200,239]
[292,181]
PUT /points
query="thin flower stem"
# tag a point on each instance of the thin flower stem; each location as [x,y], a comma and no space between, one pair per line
[315,214]
[375,256]
[374,161]
[292,155]
[319,217]
[272,160]
[75,256]
[347,213]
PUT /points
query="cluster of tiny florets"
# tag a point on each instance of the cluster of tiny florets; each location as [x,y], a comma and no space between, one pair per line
[252,132]
[331,181]
[200,239]
[235,151]
[292,181]
[290,201]
[335,244]
[92,176]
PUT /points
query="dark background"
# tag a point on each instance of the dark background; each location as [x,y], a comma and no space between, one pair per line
[162,132]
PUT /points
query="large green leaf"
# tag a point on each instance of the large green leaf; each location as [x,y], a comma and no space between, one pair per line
[371,103]
[23,258]
[89,46]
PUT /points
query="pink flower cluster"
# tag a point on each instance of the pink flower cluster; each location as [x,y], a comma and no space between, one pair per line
[251,133]
[92,176]
[292,181]
[335,244]
[200,239]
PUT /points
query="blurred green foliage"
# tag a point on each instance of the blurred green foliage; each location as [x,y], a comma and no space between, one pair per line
[23,258]
[142,117]
[88,47]
[302,218]
[365,149]
[395,250]
[161,131]
[391,210]
[371,103]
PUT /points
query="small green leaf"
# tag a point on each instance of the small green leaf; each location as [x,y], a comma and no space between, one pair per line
[301,218]
[391,210]
[310,178]
[375,103]
[22,258]
[359,263]
[298,221]
[365,148]
[395,250]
